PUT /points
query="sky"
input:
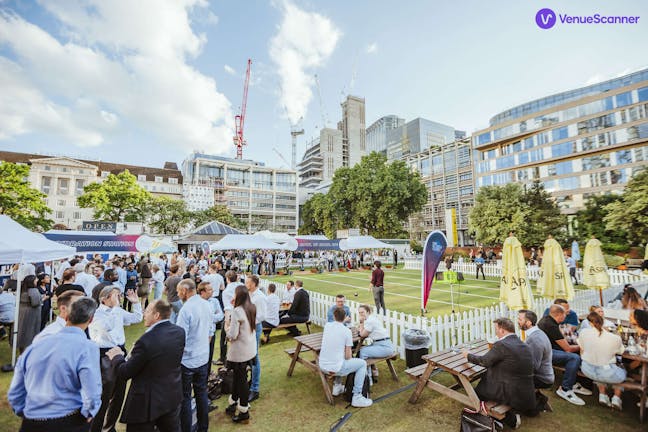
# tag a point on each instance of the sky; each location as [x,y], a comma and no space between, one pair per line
[149,81]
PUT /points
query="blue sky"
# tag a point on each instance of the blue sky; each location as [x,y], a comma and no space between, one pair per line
[149,81]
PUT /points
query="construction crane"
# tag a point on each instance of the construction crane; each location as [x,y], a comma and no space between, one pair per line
[239,119]
[321,104]
[280,155]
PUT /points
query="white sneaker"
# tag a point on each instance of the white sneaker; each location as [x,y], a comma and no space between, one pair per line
[338,389]
[639,404]
[360,401]
[518,421]
[604,400]
[570,397]
[577,388]
[616,403]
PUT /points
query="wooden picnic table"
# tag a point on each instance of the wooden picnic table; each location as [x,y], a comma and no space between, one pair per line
[640,387]
[313,343]
[461,370]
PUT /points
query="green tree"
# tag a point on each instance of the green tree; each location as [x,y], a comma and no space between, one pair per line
[543,217]
[167,215]
[630,214]
[318,217]
[118,198]
[218,213]
[590,221]
[498,210]
[20,201]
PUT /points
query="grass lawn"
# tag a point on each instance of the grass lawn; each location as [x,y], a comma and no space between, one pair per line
[298,403]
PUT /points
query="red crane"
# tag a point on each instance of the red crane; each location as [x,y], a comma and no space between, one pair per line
[239,119]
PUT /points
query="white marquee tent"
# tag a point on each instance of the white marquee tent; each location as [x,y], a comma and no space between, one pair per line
[18,245]
[363,242]
[245,242]
[286,240]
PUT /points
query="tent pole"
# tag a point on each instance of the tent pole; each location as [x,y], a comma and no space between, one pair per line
[14,348]
[601,295]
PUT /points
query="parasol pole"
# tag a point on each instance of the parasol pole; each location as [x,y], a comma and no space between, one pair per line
[601,295]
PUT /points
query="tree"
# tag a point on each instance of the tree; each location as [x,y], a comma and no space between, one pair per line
[118,198]
[166,215]
[218,213]
[373,195]
[531,213]
[590,221]
[630,214]
[20,201]
[544,217]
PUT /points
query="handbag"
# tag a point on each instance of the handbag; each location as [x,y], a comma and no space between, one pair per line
[478,421]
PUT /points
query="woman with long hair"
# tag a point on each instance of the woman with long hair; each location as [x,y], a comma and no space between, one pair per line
[242,350]
[45,289]
[29,319]
[632,300]
[599,348]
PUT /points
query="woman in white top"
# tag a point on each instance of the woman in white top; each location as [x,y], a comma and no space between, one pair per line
[599,310]
[158,279]
[599,348]
[373,331]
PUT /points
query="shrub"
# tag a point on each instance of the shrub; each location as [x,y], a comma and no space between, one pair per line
[613,261]
[416,246]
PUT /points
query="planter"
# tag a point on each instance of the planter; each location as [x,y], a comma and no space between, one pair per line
[281,273]
[341,269]
[388,266]
[313,270]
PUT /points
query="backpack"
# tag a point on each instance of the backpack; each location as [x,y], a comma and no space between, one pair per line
[220,383]
[348,387]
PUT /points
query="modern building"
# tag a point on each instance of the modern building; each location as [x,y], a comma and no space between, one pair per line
[580,142]
[447,173]
[377,133]
[353,128]
[62,179]
[418,135]
[323,156]
[264,198]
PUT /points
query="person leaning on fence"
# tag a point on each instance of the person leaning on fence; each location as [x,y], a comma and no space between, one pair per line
[376,337]
[336,358]
[543,373]
[378,286]
[509,374]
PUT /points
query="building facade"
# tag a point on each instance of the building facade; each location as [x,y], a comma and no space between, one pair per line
[416,136]
[377,133]
[263,198]
[447,173]
[323,156]
[62,179]
[354,144]
[587,141]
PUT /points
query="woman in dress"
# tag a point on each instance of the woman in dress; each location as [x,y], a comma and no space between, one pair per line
[241,353]
[45,289]
[29,319]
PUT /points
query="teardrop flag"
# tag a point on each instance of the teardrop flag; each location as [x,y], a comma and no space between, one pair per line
[433,250]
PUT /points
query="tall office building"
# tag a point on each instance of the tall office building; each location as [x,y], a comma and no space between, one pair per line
[377,133]
[447,173]
[418,135]
[353,130]
[323,156]
[263,198]
[580,142]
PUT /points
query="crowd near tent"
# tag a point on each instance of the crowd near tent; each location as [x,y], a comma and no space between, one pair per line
[20,245]
[209,232]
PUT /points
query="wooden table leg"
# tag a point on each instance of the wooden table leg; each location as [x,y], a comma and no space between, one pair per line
[642,399]
[470,392]
[327,389]
[392,370]
[422,382]
[295,356]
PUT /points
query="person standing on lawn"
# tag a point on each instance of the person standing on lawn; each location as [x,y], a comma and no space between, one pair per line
[259,300]
[378,286]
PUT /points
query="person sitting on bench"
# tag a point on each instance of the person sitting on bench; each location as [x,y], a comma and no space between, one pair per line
[543,373]
[272,312]
[336,358]
[509,374]
[371,328]
[339,303]
[299,310]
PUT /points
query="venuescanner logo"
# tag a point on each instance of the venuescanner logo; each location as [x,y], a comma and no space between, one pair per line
[546,18]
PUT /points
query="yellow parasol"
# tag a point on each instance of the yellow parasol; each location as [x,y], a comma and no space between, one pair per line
[595,273]
[553,280]
[515,289]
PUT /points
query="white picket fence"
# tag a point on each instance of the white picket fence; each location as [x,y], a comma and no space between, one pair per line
[447,330]
[617,277]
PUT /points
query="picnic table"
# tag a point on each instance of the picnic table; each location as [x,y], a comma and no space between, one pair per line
[640,387]
[463,372]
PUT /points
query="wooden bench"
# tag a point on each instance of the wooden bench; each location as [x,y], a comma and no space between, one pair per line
[390,365]
[626,385]
[286,325]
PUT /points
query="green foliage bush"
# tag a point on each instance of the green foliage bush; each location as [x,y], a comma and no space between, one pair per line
[613,261]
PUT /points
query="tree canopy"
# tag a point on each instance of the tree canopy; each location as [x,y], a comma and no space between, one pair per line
[531,213]
[118,198]
[167,215]
[630,213]
[374,195]
[20,201]
[590,221]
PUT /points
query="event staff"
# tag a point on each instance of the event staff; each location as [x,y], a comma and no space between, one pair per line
[56,385]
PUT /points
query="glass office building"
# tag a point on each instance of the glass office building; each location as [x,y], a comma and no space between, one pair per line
[418,135]
[581,142]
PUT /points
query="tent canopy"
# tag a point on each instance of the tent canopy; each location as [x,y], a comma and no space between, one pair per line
[284,239]
[20,245]
[363,242]
[244,242]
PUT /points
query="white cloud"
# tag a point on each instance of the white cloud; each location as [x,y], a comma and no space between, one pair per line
[304,42]
[121,62]
[229,69]
[372,48]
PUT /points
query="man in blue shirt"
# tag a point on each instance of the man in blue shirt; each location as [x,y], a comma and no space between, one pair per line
[195,318]
[571,317]
[339,303]
[63,398]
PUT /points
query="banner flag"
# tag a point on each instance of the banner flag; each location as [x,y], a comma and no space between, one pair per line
[433,250]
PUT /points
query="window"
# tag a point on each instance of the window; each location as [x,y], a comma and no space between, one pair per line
[80,171]
[46,183]
[623,99]
[63,169]
[141,177]
[47,168]
[560,133]
[61,203]
[564,168]
[238,177]
[60,215]
[173,180]
[105,174]
[643,94]
[78,189]
[158,179]
[598,161]
[623,157]
[262,180]
[484,138]
[562,149]
[569,183]
[618,176]
[63,186]
[77,215]
[505,162]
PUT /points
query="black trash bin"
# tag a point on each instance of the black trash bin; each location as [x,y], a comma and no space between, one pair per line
[417,343]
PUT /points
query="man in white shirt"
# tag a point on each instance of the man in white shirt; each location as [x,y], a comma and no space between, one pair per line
[217,282]
[195,318]
[259,300]
[87,281]
[107,331]
[63,302]
[336,357]
[272,312]
[289,294]
[65,264]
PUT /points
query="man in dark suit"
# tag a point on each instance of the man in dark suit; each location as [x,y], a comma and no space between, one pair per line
[154,366]
[299,310]
[509,374]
